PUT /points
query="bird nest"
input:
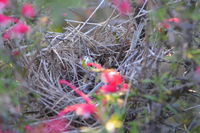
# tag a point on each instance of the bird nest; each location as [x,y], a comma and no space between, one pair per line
[118,46]
[121,46]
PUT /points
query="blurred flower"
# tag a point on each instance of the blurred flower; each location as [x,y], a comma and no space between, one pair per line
[113,81]
[94,65]
[198,70]
[112,88]
[123,6]
[175,20]
[3,4]
[27,128]
[111,76]
[109,88]
[6,35]
[15,53]
[83,109]
[124,87]
[16,31]
[84,96]
[4,20]
[19,30]
[113,123]
[166,23]
[55,126]
[196,75]
[65,14]
[27,10]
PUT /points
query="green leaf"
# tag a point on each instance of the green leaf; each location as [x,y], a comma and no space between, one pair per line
[153,98]
[134,127]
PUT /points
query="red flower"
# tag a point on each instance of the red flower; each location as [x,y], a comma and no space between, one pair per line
[110,88]
[6,35]
[3,4]
[124,87]
[15,53]
[166,22]
[123,6]
[94,65]
[84,109]
[84,96]
[19,30]
[175,20]
[27,128]
[28,11]
[165,25]
[55,126]
[51,126]
[111,76]
[16,32]
[4,20]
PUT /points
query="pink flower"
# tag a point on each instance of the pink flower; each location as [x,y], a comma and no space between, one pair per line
[124,87]
[198,70]
[28,11]
[166,22]
[83,109]
[111,88]
[3,4]
[6,35]
[15,53]
[123,6]
[19,30]
[111,76]
[15,32]
[196,75]
[4,20]
[27,128]
[175,20]
[108,89]
[165,25]
[52,126]
[94,65]
[55,126]
[84,96]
